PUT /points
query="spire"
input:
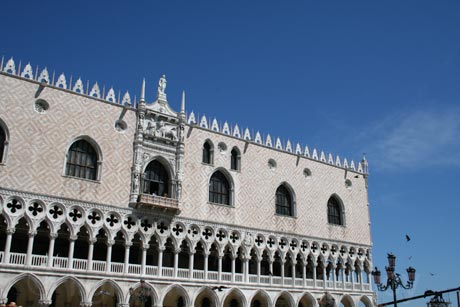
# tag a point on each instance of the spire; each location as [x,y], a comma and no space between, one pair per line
[365,165]
[142,98]
[182,104]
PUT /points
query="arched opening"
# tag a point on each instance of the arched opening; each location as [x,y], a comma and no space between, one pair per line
[135,251]
[329,270]
[156,179]
[3,142]
[277,263]
[346,301]
[265,264]
[208,152]
[307,300]
[299,266]
[213,258]
[100,247]
[227,259]
[253,262]
[198,261]
[61,246]
[168,254]
[284,201]
[118,248]
[82,160]
[3,228]
[24,292]
[81,248]
[261,299]
[234,299]
[141,296]
[239,261]
[152,252]
[176,297]
[235,159]
[283,301]
[66,294]
[320,269]
[309,268]
[20,238]
[205,299]
[334,211]
[288,264]
[42,239]
[219,189]
[105,296]
[184,255]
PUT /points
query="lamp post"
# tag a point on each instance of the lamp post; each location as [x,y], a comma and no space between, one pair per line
[144,292]
[393,279]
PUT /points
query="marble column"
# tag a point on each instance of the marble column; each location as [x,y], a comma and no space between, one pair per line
[160,260]
[72,240]
[108,260]
[53,237]
[126,259]
[9,236]
[145,248]
[191,263]
[30,245]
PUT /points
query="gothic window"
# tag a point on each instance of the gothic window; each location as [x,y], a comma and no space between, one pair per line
[284,204]
[234,303]
[206,302]
[82,161]
[219,189]
[156,179]
[180,302]
[2,143]
[208,151]
[235,159]
[334,211]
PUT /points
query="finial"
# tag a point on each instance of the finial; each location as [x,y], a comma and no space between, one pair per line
[182,105]
[161,88]
[364,164]
[142,98]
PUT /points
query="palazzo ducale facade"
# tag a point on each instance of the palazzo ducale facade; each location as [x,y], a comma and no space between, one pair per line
[109,200]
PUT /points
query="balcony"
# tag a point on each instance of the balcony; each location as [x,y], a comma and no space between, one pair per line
[66,265]
[158,202]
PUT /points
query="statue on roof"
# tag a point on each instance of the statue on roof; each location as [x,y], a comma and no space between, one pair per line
[162,86]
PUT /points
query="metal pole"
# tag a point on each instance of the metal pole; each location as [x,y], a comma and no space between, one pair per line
[458,298]
[394,296]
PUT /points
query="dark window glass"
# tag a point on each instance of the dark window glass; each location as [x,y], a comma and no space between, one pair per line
[180,302]
[235,160]
[219,189]
[156,179]
[256,303]
[334,212]
[82,161]
[207,155]
[2,143]
[283,201]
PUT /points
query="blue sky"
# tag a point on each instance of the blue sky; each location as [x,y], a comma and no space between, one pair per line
[346,77]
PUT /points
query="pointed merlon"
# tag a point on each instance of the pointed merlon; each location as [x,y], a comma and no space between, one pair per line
[236,131]
[191,118]
[258,138]
[226,129]
[352,165]
[215,125]
[337,161]
[268,141]
[142,97]
[298,149]
[323,157]
[203,122]
[288,146]
[247,135]
[315,154]
[278,144]
[306,152]
[182,104]
[330,159]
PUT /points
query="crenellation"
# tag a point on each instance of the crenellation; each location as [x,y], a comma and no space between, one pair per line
[288,146]
[258,138]
[61,82]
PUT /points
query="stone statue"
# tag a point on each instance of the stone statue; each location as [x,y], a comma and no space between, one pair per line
[162,86]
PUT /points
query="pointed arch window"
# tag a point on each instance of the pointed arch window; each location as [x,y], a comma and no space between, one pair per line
[156,179]
[284,203]
[235,159]
[208,151]
[2,143]
[334,211]
[219,189]
[82,161]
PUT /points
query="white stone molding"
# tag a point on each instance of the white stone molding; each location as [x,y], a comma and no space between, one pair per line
[28,72]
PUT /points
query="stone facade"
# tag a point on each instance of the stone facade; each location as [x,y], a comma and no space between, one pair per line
[113,242]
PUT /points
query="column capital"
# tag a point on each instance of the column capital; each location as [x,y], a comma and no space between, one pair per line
[44,303]
[73,237]
[145,246]
[53,235]
[110,242]
[177,250]
[10,230]
[86,304]
[128,244]
[32,233]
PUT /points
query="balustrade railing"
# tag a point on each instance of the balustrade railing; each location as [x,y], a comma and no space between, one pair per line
[61,263]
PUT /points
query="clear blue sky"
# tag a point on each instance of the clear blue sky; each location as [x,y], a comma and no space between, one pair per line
[346,77]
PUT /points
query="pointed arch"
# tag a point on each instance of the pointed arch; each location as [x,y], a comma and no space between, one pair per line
[307,300]
[286,296]
[137,285]
[173,293]
[335,211]
[36,281]
[285,200]
[84,159]
[4,141]
[206,292]
[235,159]
[68,278]
[347,301]
[234,294]
[366,300]
[208,152]
[263,298]
[115,286]
[158,177]
[221,188]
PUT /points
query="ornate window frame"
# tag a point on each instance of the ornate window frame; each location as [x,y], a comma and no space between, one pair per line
[169,170]
[235,159]
[231,194]
[211,153]
[291,192]
[341,208]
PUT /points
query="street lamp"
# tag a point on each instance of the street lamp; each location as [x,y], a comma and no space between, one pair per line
[393,280]
[144,292]
[437,301]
